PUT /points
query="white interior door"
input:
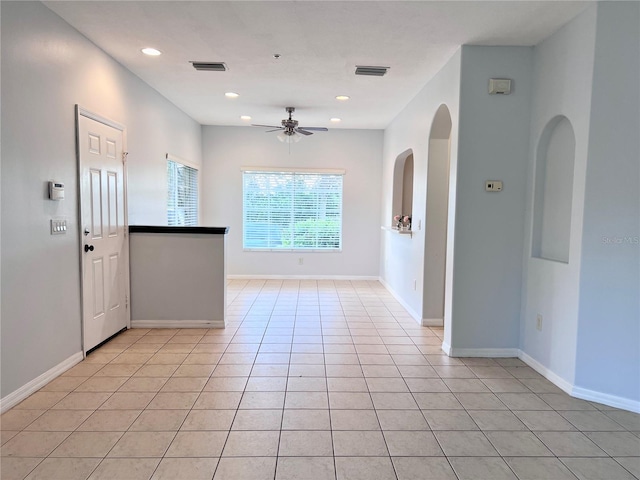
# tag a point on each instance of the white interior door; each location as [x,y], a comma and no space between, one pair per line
[104,244]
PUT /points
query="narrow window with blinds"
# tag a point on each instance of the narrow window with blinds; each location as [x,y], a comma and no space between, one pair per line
[182,194]
[292,211]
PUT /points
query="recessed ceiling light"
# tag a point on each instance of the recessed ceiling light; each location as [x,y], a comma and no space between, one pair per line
[336,120]
[245,117]
[151,51]
[231,95]
[342,98]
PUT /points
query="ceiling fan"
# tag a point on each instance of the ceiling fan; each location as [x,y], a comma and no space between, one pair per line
[290,132]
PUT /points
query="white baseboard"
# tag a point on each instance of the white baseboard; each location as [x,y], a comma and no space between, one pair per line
[579,392]
[177,324]
[303,277]
[433,322]
[415,315]
[446,348]
[23,392]
[484,352]
[606,399]
[553,377]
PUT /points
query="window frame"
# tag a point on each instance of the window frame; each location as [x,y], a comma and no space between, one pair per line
[185,163]
[293,171]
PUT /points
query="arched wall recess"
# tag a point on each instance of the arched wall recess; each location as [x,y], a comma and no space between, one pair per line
[403,185]
[555,158]
[435,248]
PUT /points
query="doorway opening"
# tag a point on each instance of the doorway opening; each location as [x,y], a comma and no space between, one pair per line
[436,217]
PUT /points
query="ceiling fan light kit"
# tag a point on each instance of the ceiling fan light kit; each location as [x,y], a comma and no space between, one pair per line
[292,137]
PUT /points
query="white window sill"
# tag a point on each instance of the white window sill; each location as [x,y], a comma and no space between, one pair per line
[397,231]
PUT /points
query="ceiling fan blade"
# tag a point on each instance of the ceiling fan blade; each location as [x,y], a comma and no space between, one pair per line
[266,126]
[274,130]
[303,132]
[316,129]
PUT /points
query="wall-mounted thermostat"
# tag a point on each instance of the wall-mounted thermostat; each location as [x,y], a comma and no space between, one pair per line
[499,86]
[493,186]
[56,191]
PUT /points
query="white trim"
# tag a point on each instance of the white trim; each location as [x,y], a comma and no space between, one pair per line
[99,118]
[304,277]
[553,377]
[579,392]
[485,352]
[297,250]
[567,387]
[433,322]
[415,315]
[326,171]
[606,399]
[177,324]
[37,383]
[177,159]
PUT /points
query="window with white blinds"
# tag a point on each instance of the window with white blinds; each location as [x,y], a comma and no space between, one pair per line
[292,210]
[182,194]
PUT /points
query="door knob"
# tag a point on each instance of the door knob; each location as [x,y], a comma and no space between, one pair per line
[88,248]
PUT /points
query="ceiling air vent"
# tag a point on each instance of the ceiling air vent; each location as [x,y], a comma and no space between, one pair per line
[210,66]
[372,71]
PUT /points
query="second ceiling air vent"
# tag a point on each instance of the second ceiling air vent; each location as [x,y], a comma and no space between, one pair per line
[210,66]
[371,71]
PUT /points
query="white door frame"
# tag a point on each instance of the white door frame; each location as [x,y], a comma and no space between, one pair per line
[80,111]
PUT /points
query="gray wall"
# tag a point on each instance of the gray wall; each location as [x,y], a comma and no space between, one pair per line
[47,68]
[402,256]
[493,145]
[178,276]
[561,86]
[608,356]
[227,149]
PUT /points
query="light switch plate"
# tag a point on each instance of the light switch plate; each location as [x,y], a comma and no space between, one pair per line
[58,226]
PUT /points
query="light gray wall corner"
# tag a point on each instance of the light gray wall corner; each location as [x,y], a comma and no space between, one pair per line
[401,256]
[608,349]
[493,145]
[561,86]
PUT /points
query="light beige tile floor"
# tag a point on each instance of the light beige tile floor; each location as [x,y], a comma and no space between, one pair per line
[310,380]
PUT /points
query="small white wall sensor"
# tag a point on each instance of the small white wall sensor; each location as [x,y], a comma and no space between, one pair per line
[499,86]
[56,191]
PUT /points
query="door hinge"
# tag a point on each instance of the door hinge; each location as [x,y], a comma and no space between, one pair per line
[126,301]
[124,157]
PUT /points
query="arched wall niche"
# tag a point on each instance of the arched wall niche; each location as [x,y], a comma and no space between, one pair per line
[403,185]
[437,213]
[555,159]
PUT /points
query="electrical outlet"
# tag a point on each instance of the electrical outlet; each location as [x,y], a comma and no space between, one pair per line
[300,261]
[539,322]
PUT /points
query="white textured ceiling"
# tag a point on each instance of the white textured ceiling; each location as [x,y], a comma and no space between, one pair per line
[320,43]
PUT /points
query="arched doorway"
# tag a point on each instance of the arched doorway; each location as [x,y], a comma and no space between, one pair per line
[436,218]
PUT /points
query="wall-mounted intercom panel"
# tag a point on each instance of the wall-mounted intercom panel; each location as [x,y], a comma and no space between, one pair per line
[56,191]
